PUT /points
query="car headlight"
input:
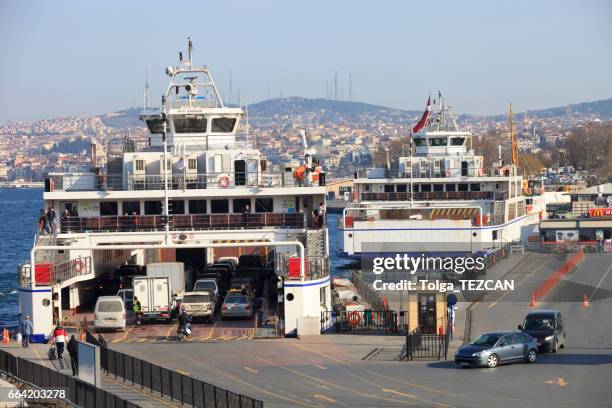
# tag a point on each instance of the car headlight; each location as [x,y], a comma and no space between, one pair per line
[549,338]
[479,354]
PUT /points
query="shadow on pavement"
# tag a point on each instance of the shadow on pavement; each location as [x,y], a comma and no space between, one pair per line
[444,364]
[575,359]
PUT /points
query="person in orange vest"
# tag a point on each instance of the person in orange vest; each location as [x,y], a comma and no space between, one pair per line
[59,336]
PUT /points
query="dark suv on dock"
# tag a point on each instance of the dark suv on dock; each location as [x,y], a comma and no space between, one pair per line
[547,327]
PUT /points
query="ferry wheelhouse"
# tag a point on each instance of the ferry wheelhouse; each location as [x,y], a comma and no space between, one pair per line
[192,192]
[440,194]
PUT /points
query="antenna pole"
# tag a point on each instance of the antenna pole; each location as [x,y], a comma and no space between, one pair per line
[165,167]
[190,46]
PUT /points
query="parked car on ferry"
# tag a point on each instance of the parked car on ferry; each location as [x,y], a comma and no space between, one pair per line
[200,304]
[547,327]
[494,348]
[128,297]
[237,304]
[109,313]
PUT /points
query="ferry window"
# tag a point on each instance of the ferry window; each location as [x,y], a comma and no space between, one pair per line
[366,187]
[153,207]
[156,126]
[190,125]
[450,187]
[197,206]
[475,187]
[389,188]
[438,187]
[241,203]
[131,207]
[438,141]
[108,208]
[223,125]
[177,207]
[494,235]
[264,205]
[323,295]
[416,188]
[219,206]
[425,188]
[401,188]
[457,141]
[463,187]
[419,142]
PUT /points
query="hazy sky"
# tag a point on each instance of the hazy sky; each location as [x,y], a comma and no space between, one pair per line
[66,57]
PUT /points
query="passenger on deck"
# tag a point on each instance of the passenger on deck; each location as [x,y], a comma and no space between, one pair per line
[245,215]
[74,356]
[43,223]
[26,332]
[51,219]
[59,336]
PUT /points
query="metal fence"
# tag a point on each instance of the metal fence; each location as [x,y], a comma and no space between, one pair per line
[427,346]
[78,392]
[371,296]
[363,321]
[178,387]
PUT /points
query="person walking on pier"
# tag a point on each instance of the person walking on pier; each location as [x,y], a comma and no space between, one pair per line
[59,335]
[26,332]
[74,356]
[51,219]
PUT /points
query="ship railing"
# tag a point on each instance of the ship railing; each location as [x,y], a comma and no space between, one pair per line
[187,222]
[435,195]
[53,274]
[415,214]
[316,267]
[182,181]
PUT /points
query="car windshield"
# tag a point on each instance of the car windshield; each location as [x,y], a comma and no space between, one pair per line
[110,306]
[539,323]
[486,340]
[205,285]
[236,299]
[196,299]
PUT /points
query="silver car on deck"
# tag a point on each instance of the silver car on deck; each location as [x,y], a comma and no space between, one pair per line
[492,349]
[237,304]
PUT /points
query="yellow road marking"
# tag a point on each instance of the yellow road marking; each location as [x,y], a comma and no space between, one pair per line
[330,357]
[168,333]
[257,388]
[125,335]
[324,398]
[403,394]
[140,392]
[559,381]
[182,372]
[519,284]
[320,366]
[330,384]
[254,371]
[212,330]
[142,340]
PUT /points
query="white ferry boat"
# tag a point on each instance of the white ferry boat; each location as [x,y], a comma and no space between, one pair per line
[439,196]
[192,192]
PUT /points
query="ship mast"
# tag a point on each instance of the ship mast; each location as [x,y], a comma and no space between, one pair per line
[514,145]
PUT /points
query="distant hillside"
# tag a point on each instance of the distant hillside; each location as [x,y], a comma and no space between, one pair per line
[345,111]
[122,118]
[594,110]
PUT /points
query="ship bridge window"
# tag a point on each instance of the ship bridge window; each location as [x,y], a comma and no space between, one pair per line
[438,187]
[223,125]
[108,208]
[389,188]
[264,205]
[197,206]
[425,188]
[438,141]
[131,208]
[401,188]
[450,187]
[462,187]
[419,142]
[457,141]
[156,126]
[190,124]
[474,187]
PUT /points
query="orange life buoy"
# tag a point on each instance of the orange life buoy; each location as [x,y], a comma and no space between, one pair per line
[353,318]
[298,174]
[224,181]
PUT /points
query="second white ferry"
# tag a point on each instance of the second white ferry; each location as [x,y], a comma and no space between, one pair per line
[438,196]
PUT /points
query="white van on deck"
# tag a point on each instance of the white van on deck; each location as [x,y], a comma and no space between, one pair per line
[109,313]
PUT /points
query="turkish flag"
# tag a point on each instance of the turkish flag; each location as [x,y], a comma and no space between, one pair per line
[424,118]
